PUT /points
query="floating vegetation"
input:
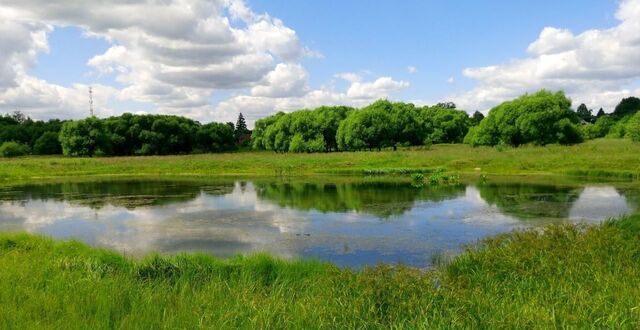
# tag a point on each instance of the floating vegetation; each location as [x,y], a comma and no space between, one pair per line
[437,178]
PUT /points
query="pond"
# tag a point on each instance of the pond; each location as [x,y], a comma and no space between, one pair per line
[349,223]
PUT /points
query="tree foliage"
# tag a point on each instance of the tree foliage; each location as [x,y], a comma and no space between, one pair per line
[477,118]
[628,106]
[87,137]
[541,118]
[215,137]
[585,114]
[379,125]
[20,128]
[144,135]
[47,144]
[13,149]
[633,128]
[300,131]
[240,128]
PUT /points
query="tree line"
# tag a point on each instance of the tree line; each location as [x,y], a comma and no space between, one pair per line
[123,135]
[20,135]
[541,118]
[130,134]
[380,125]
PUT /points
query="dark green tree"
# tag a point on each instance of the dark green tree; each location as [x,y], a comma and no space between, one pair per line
[628,106]
[477,118]
[585,113]
[446,105]
[47,144]
[215,137]
[241,127]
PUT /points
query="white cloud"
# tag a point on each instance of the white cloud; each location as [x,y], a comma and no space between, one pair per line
[597,67]
[207,46]
[358,94]
[412,69]
[349,76]
[379,88]
[285,80]
[451,80]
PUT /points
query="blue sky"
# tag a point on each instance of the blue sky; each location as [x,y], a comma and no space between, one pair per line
[369,40]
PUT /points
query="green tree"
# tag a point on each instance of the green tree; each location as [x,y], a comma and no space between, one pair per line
[297,143]
[585,114]
[628,106]
[13,149]
[258,137]
[446,105]
[476,118]
[536,119]
[445,125]
[85,137]
[633,128]
[241,127]
[406,125]
[47,144]
[367,128]
[215,137]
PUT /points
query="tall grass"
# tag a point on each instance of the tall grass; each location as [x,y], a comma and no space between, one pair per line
[564,276]
[598,158]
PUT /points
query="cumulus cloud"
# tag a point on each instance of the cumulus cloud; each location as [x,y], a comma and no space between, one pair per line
[381,87]
[597,67]
[412,69]
[348,76]
[172,54]
[285,80]
[358,94]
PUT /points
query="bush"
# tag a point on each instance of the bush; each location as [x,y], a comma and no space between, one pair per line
[13,149]
[633,128]
[541,118]
[47,144]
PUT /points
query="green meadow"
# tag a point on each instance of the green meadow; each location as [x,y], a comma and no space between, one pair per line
[565,276]
[613,158]
[561,276]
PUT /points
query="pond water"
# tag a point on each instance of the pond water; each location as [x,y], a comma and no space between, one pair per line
[348,223]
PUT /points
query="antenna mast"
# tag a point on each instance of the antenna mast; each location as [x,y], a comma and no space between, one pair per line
[91,101]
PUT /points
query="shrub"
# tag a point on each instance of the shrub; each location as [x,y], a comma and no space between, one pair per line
[13,149]
[47,144]
[633,128]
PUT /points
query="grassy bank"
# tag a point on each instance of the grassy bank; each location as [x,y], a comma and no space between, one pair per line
[599,158]
[564,276]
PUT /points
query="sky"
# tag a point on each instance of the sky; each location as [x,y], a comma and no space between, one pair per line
[212,59]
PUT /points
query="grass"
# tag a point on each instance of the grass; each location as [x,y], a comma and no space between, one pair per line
[615,158]
[564,276]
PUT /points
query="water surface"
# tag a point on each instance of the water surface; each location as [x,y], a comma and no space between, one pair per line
[348,223]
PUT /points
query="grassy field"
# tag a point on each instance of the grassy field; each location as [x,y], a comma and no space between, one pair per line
[604,158]
[563,277]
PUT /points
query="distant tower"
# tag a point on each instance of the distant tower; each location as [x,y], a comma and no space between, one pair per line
[91,101]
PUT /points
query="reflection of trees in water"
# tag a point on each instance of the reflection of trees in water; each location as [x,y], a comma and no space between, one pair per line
[128,194]
[381,199]
[632,196]
[526,201]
